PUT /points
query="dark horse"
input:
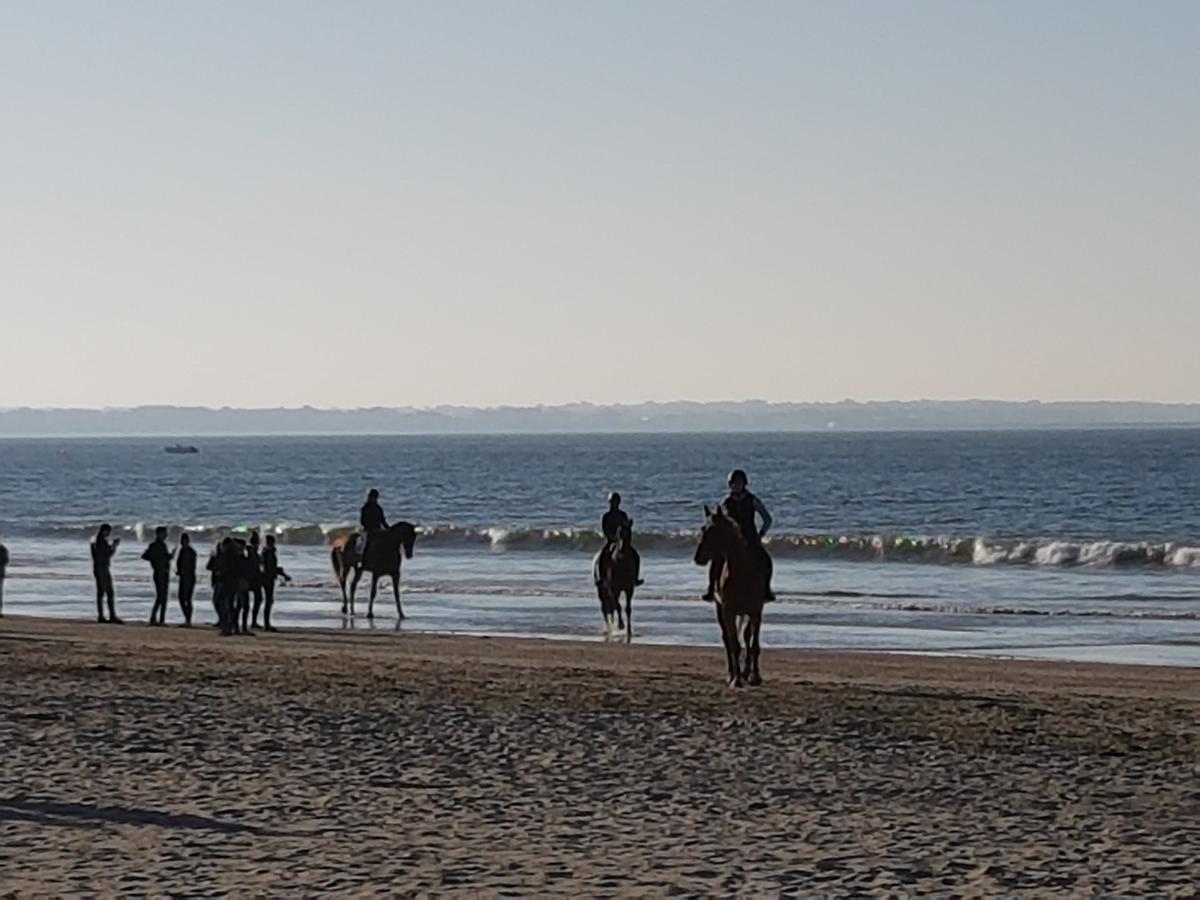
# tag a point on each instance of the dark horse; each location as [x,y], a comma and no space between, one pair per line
[741,589]
[387,550]
[617,574]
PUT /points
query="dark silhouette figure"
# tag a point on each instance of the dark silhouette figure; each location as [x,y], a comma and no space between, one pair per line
[102,554]
[159,557]
[372,519]
[381,557]
[254,576]
[185,568]
[3,574]
[613,524]
[246,574]
[618,574]
[272,572]
[742,507]
[740,591]
[223,566]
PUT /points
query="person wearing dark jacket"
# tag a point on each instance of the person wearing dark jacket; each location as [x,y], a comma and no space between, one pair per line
[159,558]
[372,519]
[102,554]
[254,576]
[185,568]
[271,573]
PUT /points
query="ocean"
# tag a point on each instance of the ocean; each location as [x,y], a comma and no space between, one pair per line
[1059,544]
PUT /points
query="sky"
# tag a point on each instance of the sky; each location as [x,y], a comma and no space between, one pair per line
[480,203]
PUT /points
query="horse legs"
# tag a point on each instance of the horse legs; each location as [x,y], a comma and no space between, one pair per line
[753,652]
[341,577]
[396,594]
[374,590]
[629,615]
[354,586]
[728,622]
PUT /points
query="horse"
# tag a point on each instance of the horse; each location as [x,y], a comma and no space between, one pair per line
[617,574]
[383,556]
[741,591]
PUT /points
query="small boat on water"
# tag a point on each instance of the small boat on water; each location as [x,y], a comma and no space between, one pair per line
[181,448]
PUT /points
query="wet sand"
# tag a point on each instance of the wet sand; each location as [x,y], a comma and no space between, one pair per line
[144,761]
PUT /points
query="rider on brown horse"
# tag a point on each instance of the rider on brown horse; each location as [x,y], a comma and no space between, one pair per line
[371,518]
[742,506]
[612,524]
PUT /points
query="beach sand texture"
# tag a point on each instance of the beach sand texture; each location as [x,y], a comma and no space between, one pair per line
[150,761]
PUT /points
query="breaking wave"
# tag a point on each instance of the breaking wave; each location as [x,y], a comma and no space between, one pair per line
[939,550]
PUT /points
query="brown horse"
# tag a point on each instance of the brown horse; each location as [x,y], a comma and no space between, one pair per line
[741,589]
[383,556]
[617,574]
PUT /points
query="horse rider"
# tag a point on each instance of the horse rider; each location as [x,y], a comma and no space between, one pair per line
[612,524]
[372,519]
[745,508]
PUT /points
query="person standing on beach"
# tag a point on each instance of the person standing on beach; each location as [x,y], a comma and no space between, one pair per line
[3,572]
[185,568]
[159,557]
[102,554]
[254,576]
[271,572]
[220,563]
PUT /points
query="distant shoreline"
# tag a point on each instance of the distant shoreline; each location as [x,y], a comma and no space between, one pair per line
[744,417]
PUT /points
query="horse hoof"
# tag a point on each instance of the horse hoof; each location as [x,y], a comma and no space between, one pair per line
[755,680]
[735,683]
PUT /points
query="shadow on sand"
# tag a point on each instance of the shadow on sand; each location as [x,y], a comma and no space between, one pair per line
[87,815]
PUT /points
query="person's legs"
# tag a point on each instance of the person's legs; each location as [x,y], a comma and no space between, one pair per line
[187,587]
[256,590]
[243,605]
[110,594]
[158,613]
[99,599]
[268,602]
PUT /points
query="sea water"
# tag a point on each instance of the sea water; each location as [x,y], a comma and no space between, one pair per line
[1080,545]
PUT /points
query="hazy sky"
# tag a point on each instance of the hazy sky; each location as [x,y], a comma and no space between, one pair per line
[345,203]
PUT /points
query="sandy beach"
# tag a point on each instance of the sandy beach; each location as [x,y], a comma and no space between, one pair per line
[150,761]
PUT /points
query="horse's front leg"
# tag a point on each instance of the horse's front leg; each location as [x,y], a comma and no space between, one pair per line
[374,590]
[729,635]
[358,572]
[754,649]
[629,615]
[396,594]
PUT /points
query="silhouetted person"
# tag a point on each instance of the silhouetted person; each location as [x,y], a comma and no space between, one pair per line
[743,507]
[612,523]
[214,577]
[185,568]
[254,576]
[3,574]
[372,519]
[222,564]
[159,557]
[271,573]
[245,573]
[102,554]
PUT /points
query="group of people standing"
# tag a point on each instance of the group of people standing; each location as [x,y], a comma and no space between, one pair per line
[241,570]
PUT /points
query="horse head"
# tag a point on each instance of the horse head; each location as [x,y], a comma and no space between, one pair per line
[406,532]
[715,536]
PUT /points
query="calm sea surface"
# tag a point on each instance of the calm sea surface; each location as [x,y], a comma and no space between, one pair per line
[1062,544]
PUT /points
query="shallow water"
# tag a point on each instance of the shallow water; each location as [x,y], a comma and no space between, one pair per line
[1069,545]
